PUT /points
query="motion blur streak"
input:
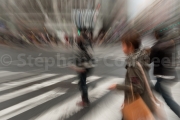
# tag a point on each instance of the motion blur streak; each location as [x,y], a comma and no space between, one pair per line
[59,59]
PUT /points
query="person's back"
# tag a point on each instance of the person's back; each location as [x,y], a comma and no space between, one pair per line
[163,57]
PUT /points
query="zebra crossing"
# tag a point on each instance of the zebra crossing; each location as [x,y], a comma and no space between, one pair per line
[70,106]
[19,97]
[51,96]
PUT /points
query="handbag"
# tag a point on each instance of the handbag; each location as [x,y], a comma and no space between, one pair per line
[136,110]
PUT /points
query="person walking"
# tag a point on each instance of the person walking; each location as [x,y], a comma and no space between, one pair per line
[83,67]
[163,56]
[136,79]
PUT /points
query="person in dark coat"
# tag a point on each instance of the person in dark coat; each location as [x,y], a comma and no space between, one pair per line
[84,65]
[163,56]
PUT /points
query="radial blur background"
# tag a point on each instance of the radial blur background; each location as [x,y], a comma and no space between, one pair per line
[38,40]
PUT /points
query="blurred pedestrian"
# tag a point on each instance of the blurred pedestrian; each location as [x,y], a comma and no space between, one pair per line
[84,66]
[163,57]
[136,80]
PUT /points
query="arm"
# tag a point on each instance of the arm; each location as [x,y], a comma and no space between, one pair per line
[138,87]
[78,69]
[120,87]
[123,87]
[136,81]
[165,45]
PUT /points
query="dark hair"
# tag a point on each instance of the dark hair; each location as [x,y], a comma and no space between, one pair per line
[159,33]
[84,35]
[131,37]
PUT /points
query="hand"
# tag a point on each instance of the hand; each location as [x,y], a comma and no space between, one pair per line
[72,67]
[173,41]
[112,87]
[81,71]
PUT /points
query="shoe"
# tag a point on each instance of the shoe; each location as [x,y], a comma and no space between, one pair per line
[83,104]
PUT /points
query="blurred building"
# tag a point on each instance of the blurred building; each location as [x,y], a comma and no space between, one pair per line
[157,13]
[62,16]
[115,19]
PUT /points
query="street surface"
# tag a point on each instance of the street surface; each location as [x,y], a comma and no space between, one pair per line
[47,89]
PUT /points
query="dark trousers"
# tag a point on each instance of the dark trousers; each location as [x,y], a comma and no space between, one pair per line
[166,94]
[83,86]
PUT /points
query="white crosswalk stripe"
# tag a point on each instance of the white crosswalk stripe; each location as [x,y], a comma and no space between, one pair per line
[28,104]
[92,78]
[13,84]
[31,103]
[70,104]
[75,82]
[34,88]
[89,79]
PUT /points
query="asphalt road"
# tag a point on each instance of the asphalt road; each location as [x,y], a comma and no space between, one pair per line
[47,89]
